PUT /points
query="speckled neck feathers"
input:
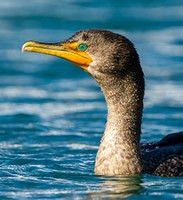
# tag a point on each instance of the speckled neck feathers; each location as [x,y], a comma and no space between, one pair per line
[123,88]
[119,152]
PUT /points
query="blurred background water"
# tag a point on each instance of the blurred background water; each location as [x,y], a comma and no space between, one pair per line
[52,114]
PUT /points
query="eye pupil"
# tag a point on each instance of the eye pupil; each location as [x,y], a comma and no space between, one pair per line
[82,47]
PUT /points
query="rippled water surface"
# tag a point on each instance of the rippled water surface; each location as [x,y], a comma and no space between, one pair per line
[52,114]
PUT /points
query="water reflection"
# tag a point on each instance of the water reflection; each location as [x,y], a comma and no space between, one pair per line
[118,187]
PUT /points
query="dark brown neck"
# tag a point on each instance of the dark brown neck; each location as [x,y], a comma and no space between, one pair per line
[119,152]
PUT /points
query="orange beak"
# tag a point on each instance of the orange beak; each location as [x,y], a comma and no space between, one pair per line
[67,51]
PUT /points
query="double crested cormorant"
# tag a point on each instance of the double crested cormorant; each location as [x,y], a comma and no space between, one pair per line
[113,62]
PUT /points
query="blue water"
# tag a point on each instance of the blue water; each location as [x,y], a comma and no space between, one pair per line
[52,114]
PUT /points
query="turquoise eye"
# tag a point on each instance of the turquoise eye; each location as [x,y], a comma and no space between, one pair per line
[82,47]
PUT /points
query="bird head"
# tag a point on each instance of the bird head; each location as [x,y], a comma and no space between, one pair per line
[98,52]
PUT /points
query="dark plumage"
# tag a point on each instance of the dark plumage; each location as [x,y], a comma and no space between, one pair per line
[165,157]
[116,68]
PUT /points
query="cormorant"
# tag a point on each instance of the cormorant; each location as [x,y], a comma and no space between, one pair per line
[113,62]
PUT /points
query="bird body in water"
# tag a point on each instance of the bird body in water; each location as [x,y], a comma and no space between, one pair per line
[113,62]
